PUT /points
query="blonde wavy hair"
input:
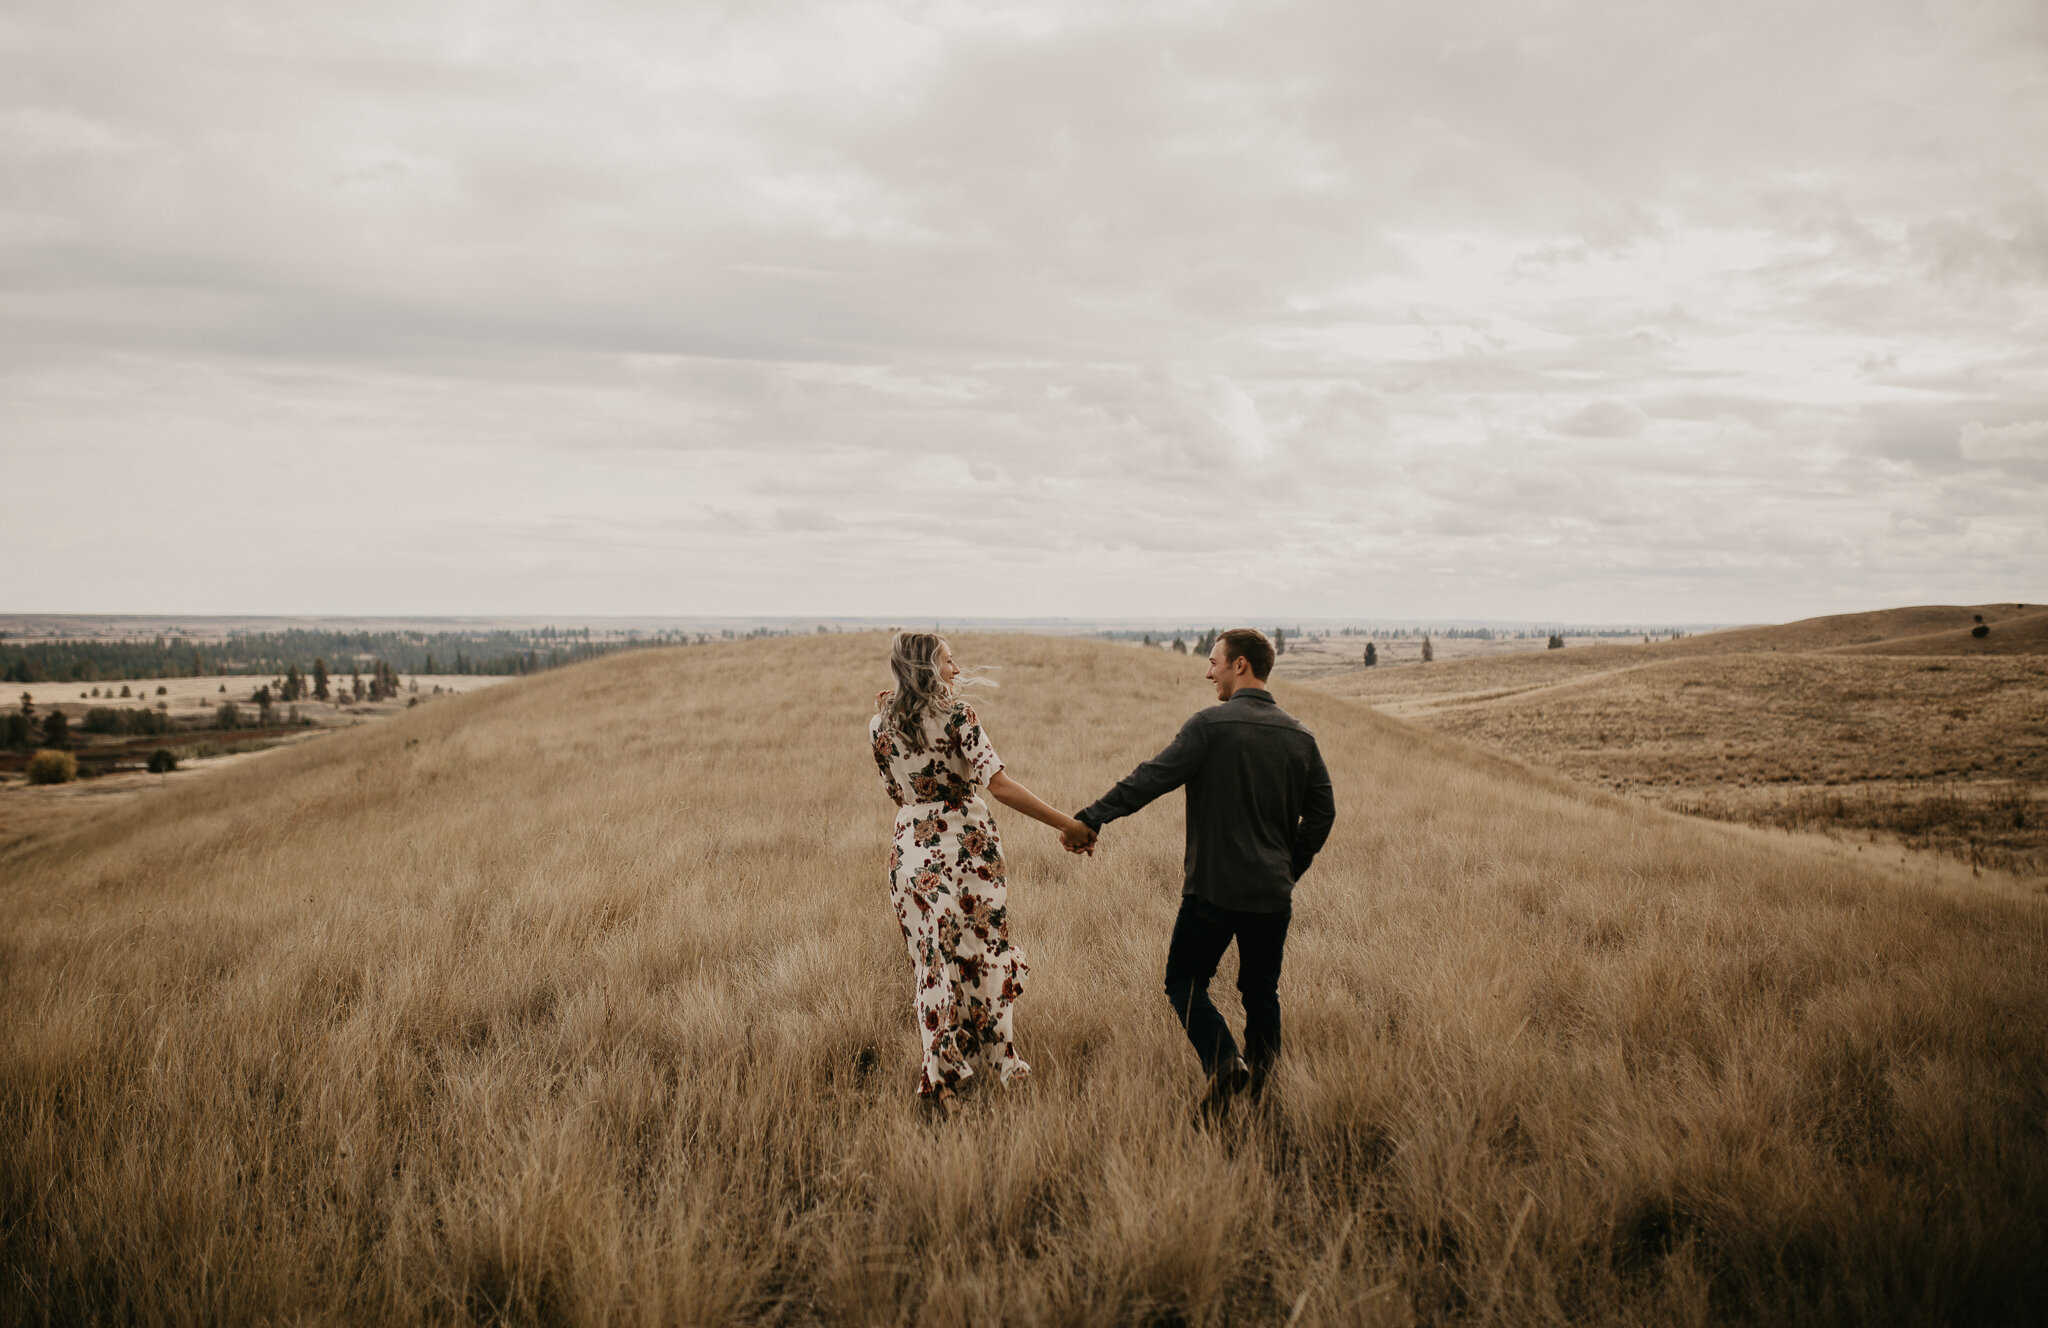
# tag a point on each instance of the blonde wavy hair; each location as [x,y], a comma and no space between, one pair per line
[919,692]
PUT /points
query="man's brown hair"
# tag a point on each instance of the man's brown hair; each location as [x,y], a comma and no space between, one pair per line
[1250,645]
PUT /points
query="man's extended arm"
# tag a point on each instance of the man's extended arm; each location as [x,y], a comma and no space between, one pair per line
[1318,814]
[1162,774]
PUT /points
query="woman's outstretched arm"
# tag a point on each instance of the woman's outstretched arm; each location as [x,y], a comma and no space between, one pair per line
[1015,796]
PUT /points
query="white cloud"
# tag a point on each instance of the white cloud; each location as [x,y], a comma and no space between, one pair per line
[1673,311]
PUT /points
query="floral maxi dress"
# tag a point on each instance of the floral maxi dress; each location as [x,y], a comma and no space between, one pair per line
[946,881]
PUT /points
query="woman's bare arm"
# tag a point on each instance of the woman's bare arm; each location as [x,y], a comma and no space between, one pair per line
[1015,796]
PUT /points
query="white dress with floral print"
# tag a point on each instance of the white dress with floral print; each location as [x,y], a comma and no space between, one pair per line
[946,881]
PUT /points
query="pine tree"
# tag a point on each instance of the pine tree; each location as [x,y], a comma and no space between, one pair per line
[1279,641]
[1372,656]
[1428,652]
[320,688]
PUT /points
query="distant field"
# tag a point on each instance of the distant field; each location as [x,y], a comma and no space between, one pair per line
[113,764]
[579,1000]
[1810,725]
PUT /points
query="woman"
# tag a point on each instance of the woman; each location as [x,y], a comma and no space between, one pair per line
[946,869]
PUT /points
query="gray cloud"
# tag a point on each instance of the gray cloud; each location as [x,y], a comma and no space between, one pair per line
[1676,311]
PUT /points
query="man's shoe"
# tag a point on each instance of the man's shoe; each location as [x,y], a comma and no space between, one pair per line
[1228,1081]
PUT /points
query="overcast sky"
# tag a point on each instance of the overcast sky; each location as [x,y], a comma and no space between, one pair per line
[1715,311]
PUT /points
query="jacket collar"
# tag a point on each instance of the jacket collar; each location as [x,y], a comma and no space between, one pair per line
[1258,694]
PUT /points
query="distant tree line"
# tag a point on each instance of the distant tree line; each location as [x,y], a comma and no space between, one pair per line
[276,653]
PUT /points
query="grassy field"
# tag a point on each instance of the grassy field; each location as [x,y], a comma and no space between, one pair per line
[111,767]
[579,1000]
[1810,725]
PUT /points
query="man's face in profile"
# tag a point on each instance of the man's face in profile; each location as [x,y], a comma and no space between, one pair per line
[1224,671]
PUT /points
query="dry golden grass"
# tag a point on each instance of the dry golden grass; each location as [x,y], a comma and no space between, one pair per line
[2022,632]
[1947,753]
[2013,627]
[580,1001]
[31,814]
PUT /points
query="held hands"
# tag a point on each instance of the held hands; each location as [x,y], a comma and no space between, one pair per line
[1078,838]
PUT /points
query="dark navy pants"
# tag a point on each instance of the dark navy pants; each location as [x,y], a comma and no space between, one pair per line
[1201,934]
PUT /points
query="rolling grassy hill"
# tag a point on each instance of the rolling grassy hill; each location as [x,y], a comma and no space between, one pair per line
[579,1000]
[2017,634]
[1907,628]
[1898,726]
[2017,629]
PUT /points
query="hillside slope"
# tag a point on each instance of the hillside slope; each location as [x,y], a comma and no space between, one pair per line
[580,1000]
[1869,631]
[2016,629]
[1865,724]
[2018,634]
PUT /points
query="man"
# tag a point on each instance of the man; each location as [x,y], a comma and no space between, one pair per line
[1259,808]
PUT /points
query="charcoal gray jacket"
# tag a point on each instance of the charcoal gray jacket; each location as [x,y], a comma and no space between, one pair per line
[1259,800]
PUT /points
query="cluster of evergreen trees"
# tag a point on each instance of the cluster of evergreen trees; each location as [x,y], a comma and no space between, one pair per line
[21,728]
[274,653]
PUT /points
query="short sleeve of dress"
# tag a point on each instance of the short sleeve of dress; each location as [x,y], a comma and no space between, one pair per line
[975,748]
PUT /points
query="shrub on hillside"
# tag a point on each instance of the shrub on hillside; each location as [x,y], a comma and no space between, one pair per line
[162,761]
[48,767]
[229,716]
[1980,631]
